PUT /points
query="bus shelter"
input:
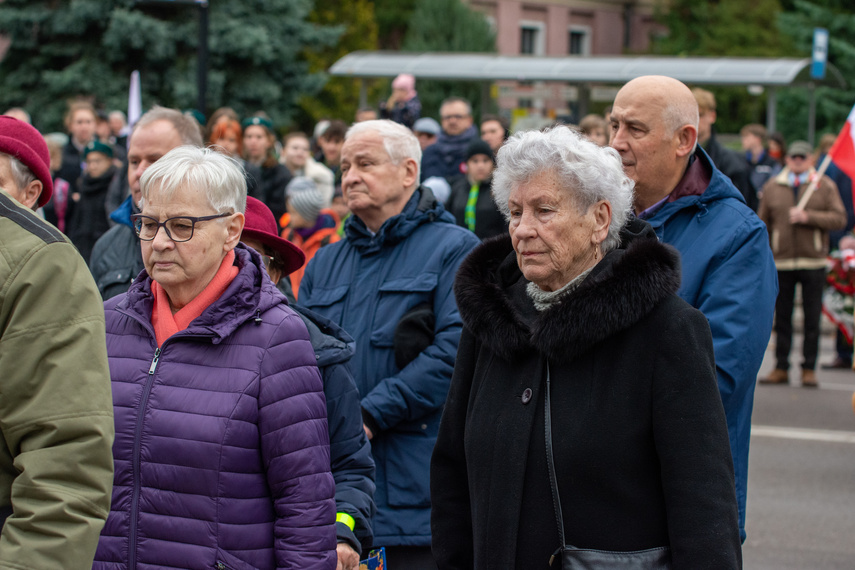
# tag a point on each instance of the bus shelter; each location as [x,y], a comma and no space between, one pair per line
[759,75]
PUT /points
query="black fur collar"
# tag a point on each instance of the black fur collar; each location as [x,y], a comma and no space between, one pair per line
[620,290]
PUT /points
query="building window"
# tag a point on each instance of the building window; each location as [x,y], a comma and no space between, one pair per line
[532,38]
[528,36]
[579,41]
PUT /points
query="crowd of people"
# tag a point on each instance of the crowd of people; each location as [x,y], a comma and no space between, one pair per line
[353,338]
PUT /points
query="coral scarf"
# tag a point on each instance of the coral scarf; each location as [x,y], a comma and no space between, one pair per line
[166,324]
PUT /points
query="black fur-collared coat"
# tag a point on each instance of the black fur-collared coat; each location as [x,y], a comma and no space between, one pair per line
[641,447]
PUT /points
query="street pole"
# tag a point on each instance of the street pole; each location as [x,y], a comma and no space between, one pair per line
[202,58]
[811,112]
[772,110]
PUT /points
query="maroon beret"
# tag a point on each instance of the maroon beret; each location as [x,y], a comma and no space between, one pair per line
[261,225]
[24,142]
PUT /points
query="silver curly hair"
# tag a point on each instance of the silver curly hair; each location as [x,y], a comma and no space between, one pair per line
[589,173]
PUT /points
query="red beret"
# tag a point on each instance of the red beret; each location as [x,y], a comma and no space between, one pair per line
[24,142]
[261,225]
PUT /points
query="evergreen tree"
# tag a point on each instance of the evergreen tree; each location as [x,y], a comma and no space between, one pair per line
[63,49]
[448,26]
[832,104]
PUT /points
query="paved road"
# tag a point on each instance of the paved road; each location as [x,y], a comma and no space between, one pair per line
[801,479]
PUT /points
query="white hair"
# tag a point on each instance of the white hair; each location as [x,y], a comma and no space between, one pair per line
[589,173]
[399,141]
[21,173]
[186,126]
[221,177]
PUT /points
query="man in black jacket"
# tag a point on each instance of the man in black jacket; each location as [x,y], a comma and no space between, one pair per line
[116,258]
[728,161]
[761,166]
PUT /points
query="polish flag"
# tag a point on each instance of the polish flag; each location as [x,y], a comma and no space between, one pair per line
[843,150]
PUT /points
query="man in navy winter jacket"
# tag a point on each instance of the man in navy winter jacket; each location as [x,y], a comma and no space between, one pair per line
[727,266]
[401,252]
[444,157]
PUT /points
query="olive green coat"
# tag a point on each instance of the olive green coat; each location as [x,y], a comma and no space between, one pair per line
[56,412]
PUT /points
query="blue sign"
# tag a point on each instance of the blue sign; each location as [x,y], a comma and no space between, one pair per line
[820,53]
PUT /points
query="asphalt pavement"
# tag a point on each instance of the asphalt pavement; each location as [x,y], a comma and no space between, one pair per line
[801,475]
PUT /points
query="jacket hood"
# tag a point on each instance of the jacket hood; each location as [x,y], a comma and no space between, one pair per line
[624,287]
[332,345]
[122,214]
[421,208]
[248,295]
[720,185]
[719,188]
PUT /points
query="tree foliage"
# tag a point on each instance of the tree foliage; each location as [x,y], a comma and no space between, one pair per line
[448,26]
[832,104]
[64,49]
[767,28]
[393,20]
[339,97]
[720,28]
[732,28]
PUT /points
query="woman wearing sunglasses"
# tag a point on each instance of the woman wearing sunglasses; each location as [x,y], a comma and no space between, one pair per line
[222,455]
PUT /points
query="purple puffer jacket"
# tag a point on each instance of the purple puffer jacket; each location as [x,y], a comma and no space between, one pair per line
[221,452]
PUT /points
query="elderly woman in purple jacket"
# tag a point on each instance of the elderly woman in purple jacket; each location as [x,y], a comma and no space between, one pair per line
[221,452]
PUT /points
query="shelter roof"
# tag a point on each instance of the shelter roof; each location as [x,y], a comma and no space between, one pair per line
[579,69]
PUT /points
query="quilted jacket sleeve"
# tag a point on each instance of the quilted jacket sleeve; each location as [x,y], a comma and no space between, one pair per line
[295,449]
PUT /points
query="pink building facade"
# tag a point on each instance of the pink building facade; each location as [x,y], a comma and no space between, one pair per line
[559,28]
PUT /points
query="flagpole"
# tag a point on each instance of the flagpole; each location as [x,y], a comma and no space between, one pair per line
[134,99]
[814,182]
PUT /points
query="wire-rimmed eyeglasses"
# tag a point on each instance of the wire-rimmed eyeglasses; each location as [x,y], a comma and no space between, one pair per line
[179,228]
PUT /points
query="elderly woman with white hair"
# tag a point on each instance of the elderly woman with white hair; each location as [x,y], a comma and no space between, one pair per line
[583,428]
[221,453]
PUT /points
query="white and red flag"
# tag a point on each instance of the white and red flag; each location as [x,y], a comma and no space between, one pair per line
[843,150]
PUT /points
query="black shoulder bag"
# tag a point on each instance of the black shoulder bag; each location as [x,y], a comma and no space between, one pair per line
[573,558]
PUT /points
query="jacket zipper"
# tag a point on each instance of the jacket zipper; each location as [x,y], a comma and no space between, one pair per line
[132,547]
[135,497]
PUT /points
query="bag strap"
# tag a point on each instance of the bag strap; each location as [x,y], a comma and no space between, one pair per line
[550,466]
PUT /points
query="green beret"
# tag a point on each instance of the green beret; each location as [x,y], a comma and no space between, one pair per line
[98,146]
[257,121]
[196,114]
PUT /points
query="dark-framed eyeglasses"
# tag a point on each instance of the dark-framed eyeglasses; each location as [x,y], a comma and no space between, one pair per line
[453,117]
[798,156]
[179,228]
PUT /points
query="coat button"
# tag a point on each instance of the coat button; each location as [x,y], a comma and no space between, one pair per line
[526,396]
